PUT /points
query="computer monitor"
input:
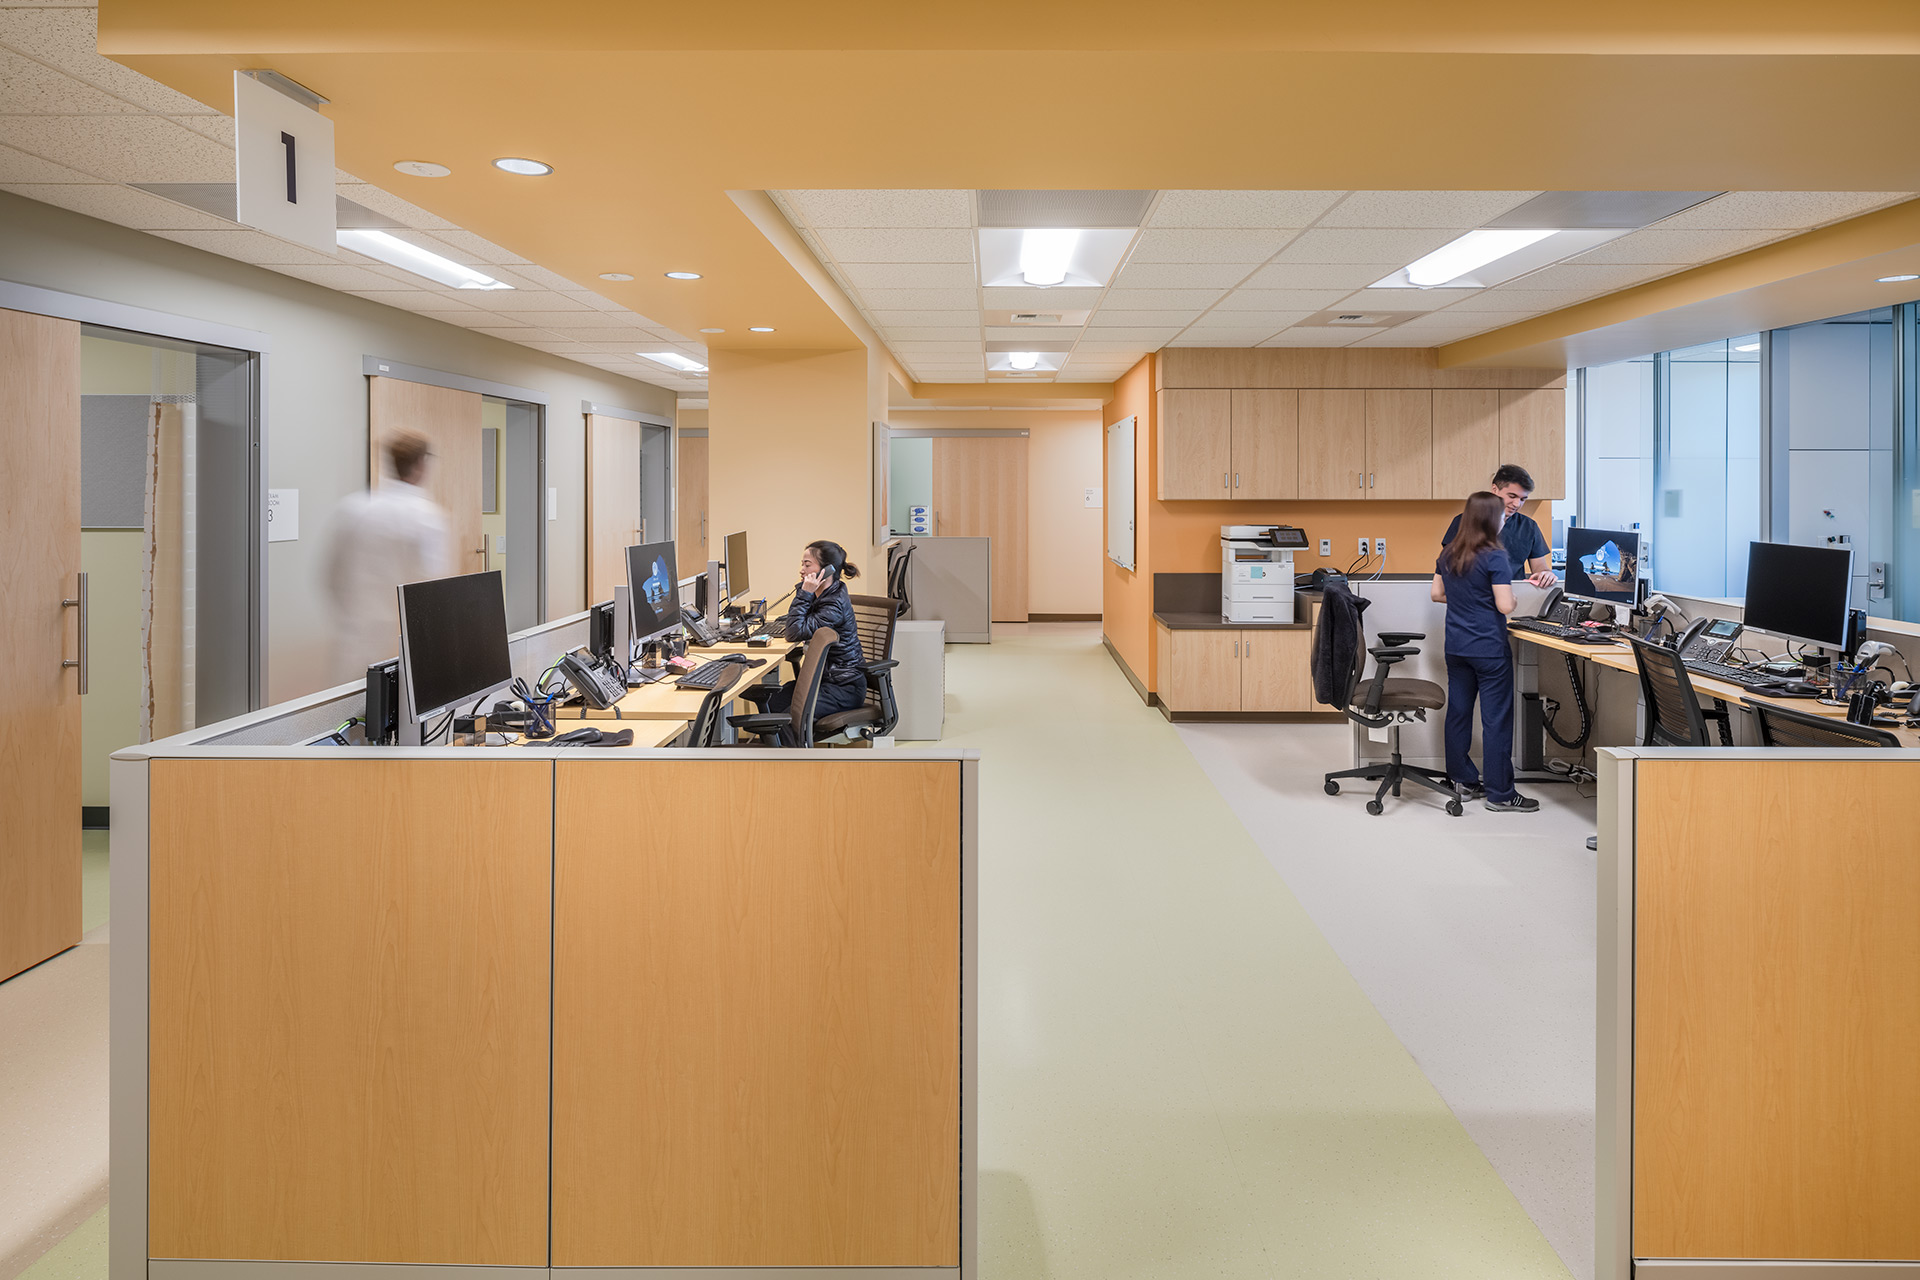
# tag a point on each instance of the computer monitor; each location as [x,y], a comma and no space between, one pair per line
[1604,564]
[1799,593]
[453,642]
[736,560]
[653,587]
[701,600]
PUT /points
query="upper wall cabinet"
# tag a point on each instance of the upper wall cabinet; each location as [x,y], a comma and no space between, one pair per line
[1333,444]
[1466,441]
[1399,444]
[1533,433]
[1266,444]
[1196,444]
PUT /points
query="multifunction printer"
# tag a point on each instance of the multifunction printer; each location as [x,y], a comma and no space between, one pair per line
[1256,571]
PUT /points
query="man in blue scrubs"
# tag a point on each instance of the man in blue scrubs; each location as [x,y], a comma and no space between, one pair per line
[1527,548]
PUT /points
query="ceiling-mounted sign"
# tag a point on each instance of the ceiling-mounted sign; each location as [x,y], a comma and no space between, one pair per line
[283,162]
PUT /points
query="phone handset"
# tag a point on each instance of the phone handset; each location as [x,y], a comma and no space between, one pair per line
[1552,599]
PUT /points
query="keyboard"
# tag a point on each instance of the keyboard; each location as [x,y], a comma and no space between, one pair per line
[719,674]
[1732,675]
[1578,635]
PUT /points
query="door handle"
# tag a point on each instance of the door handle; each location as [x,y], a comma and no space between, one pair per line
[79,602]
[1223,479]
[1359,480]
[1369,479]
[1236,648]
[1236,479]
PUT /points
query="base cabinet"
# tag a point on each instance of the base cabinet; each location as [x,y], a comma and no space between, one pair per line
[1256,669]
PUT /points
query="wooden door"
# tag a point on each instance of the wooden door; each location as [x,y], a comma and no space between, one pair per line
[1275,671]
[980,491]
[1466,441]
[1205,670]
[1399,444]
[1266,444]
[1533,434]
[1333,444]
[1196,444]
[613,502]
[449,421]
[691,536]
[39,698]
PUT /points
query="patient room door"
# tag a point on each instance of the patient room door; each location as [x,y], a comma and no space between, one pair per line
[39,695]
[980,491]
[451,423]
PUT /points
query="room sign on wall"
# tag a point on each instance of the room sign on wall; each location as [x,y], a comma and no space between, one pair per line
[283,161]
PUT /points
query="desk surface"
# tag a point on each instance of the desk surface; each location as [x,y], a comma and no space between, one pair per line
[646,733]
[662,700]
[1619,656]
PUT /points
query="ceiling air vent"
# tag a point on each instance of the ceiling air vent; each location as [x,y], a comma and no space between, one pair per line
[1034,317]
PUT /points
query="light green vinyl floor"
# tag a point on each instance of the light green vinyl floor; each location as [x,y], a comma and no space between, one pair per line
[1177,1075]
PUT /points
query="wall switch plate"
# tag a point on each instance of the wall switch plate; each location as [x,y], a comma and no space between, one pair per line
[1379,546]
[1326,546]
[1363,546]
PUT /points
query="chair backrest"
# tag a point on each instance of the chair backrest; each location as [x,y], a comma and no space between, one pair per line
[897,580]
[1336,604]
[1673,709]
[806,686]
[1784,727]
[705,729]
[875,616]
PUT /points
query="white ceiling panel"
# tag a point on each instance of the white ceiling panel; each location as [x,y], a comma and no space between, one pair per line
[340,278]
[822,209]
[539,275]
[1150,336]
[1459,210]
[518,300]
[497,329]
[920,275]
[923,299]
[1511,299]
[1465,322]
[1106,344]
[1359,245]
[65,38]
[1171,275]
[1025,298]
[1253,209]
[910,319]
[1280,299]
[934,333]
[583,328]
[1572,275]
[254,246]
[28,88]
[220,129]
[898,244]
[1185,246]
[1345,277]
[1678,247]
[930,348]
[121,148]
[127,206]
[1106,318]
[1780,210]
[1318,337]
[1404,299]
[1271,321]
[401,211]
[416,300]
[1040,336]
[594,301]
[18,166]
[464,246]
[1160,299]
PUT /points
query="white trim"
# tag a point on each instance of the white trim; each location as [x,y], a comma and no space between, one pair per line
[382,367]
[118,315]
[626,415]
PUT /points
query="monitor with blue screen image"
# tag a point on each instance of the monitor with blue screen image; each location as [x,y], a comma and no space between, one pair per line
[1603,564]
[653,588]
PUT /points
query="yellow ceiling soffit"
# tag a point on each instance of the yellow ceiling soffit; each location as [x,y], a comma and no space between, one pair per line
[1831,271]
[765,215]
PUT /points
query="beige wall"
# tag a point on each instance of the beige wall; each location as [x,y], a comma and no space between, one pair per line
[1063,462]
[788,444]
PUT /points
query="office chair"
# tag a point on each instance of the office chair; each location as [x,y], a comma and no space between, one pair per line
[1784,727]
[1674,715]
[1387,704]
[705,729]
[897,572]
[874,616]
[794,726]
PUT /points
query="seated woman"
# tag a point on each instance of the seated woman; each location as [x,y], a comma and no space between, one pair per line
[821,601]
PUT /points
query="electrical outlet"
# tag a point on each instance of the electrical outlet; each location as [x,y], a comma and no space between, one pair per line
[1380,546]
[1363,546]
[1326,546]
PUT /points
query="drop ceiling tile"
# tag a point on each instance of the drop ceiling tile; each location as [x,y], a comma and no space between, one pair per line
[1271,321]
[1108,343]
[27,88]
[931,348]
[527,301]
[512,333]
[421,300]
[1032,333]
[122,148]
[341,278]
[217,127]
[898,244]
[882,208]
[1247,338]
[878,300]
[1398,337]
[1151,336]
[1266,209]
[1013,297]
[1170,275]
[111,202]
[1404,299]
[1460,211]
[1521,301]
[66,38]
[539,275]
[1159,299]
[587,298]
[910,319]
[1360,245]
[1185,246]
[1466,322]
[1318,337]
[592,328]
[248,246]
[382,201]
[1108,319]
[1572,275]
[1780,210]
[18,166]
[924,333]
[464,246]
[1279,299]
[1678,247]
[1345,277]
[867,276]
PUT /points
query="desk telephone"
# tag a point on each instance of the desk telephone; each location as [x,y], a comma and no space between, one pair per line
[1708,640]
[1560,611]
[598,685]
[693,621]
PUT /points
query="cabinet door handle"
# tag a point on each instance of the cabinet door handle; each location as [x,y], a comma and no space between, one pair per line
[1236,479]
[1369,479]
[79,602]
[1359,480]
[1236,648]
[1223,479]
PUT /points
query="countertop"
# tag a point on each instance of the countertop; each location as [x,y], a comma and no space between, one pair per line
[1214,622]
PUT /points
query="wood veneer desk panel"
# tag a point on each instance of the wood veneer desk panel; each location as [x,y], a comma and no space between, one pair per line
[757,1014]
[1777,1014]
[349,1009]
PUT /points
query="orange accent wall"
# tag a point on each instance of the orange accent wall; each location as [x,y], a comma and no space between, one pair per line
[1126,596]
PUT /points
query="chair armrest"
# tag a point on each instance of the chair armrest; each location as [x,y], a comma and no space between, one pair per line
[1385,654]
[1377,686]
[1398,638]
[884,665]
[761,724]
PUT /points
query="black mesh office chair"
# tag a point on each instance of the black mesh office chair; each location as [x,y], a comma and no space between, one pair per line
[705,729]
[1675,717]
[794,726]
[1783,727]
[874,616]
[1387,703]
[898,568]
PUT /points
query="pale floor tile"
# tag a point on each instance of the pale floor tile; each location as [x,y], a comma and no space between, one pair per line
[81,1256]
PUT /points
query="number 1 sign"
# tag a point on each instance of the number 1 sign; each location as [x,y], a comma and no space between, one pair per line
[283,156]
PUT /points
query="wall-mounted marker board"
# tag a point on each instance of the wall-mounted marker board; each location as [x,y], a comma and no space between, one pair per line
[1120,496]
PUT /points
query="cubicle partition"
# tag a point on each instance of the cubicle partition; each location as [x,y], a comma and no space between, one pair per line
[1759,1014]
[676,1012]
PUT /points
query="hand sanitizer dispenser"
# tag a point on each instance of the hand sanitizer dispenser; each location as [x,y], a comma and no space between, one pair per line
[1256,571]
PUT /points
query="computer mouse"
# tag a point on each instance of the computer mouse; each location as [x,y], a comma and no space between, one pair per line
[1801,687]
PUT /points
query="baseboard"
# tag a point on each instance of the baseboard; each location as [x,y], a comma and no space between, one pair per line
[1253,717]
[93,817]
[1064,617]
[1127,671]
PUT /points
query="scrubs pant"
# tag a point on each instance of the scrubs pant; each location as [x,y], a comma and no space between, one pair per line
[1491,681]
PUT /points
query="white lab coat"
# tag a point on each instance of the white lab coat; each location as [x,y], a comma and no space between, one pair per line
[380,539]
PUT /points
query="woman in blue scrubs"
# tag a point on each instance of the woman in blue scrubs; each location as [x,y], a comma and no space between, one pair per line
[1474,580]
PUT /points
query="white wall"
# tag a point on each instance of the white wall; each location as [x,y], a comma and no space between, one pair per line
[316,400]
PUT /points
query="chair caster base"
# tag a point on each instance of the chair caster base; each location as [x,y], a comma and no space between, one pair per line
[1375,808]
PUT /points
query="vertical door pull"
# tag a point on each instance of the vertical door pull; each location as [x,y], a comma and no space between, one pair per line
[1223,479]
[1369,479]
[1236,479]
[79,602]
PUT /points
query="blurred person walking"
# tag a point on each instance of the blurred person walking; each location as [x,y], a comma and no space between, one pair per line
[381,538]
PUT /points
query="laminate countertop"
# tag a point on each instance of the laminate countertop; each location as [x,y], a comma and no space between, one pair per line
[1214,622]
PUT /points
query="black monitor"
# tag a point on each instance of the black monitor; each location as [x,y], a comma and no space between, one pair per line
[735,551]
[382,715]
[701,602]
[1604,564]
[653,586]
[1799,593]
[453,641]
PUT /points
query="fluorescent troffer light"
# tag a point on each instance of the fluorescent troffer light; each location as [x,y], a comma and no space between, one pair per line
[673,360]
[1045,254]
[1470,252]
[396,252]
[1023,359]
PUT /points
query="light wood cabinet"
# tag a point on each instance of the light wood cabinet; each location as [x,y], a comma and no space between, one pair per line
[1333,444]
[1466,441]
[1533,434]
[1266,444]
[1399,444]
[1196,444]
[1234,670]
[1205,670]
[1276,671]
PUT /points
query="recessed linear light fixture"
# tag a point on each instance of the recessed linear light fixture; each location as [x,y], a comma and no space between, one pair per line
[523,167]
[759,328]
[1023,360]
[1046,253]
[396,252]
[713,331]
[1468,254]
[673,360]
[683,275]
[616,276]
[1046,257]
[1899,279]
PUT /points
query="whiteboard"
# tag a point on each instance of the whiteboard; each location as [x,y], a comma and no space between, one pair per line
[1120,496]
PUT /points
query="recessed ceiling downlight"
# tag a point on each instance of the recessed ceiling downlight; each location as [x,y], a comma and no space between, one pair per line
[683,275]
[759,328]
[616,276]
[524,167]
[422,169]
[1899,279]
[713,331]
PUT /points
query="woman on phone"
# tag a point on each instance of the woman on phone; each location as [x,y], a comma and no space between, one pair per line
[1474,580]
[821,601]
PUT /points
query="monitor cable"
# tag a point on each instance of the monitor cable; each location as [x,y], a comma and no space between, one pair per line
[1551,710]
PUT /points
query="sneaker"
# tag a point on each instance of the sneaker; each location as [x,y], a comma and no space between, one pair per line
[1471,790]
[1519,804]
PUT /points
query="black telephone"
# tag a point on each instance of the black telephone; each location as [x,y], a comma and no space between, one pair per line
[694,622]
[600,687]
[1559,610]
[1708,639]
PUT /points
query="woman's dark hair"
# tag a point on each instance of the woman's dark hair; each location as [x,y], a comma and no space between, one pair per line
[832,555]
[1479,530]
